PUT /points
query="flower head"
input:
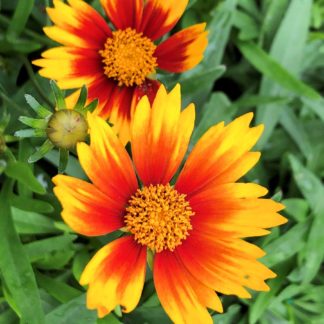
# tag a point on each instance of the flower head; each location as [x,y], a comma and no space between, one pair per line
[63,128]
[194,228]
[117,64]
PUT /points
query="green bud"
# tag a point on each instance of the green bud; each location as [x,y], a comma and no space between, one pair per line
[66,128]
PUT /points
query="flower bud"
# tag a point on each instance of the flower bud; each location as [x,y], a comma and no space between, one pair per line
[66,128]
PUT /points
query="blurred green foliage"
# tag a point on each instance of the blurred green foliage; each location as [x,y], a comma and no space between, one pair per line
[265,56]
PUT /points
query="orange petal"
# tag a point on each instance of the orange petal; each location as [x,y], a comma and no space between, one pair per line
[106,162]
[77,25]
[160,136]
[235,206]
[86,209]
[71,67]
[183,298]
[118,110]
[227,149]
[115,276]
[124,13]
[160,16]
[224,265]
[183,50]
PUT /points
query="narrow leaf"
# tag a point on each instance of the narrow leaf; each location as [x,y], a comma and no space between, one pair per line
[272,69]
[32,223]
[82,99]
[37,107]
[19,20]
[75,311]
[21,172]
[313,190]
[33,122]
[41,152]
[58,289]
[16,270]
[92,106]
[59,96]
[31,204]
[25,133]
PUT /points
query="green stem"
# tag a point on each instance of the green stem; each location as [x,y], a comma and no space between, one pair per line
[13,104]
[41,39]
[34,81]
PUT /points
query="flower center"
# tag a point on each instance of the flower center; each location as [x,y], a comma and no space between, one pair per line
[128,57]
[159,217]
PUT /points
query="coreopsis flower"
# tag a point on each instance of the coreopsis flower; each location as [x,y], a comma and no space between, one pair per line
[117,64]
[194,226]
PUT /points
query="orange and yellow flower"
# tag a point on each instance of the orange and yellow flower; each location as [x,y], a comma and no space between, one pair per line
[195,228]
[116,65]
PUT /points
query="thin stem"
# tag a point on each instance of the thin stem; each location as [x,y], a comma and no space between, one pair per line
[13,104]
[34,81]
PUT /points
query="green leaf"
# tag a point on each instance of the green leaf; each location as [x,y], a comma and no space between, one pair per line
[313,190]
[58,289]
[16,270]
[80,261]
[297,131]
[316,106]
[82,99]
[91,106]
[20,46]
[286,51]
[55,260]
[273,70]
[232,315]
[263,300]
[74,311]
[30,204]
[59,96]
[296,208]
[39,249]
[19,20]
[255,100]
[248,27]
[32,223]
[37,107]
[271,20]
[218,109]
[30,132]
[33,122]
[21,172]
[287,245]
[41,152]
[193,87]
[109,319]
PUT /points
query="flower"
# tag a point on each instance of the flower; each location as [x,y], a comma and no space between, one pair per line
[194,228]
[116,65]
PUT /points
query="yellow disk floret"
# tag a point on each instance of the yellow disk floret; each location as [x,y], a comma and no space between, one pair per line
[128,57]
[159,217]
